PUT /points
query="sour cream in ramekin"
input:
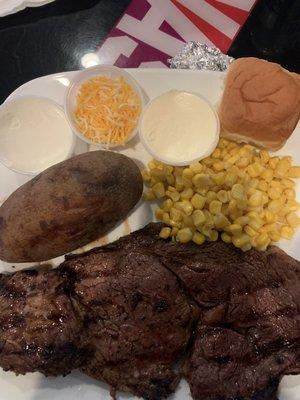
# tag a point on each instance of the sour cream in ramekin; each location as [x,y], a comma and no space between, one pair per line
[34,134]
[179,128]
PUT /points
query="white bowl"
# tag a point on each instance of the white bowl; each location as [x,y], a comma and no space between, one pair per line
[86,74]
[173,162]
[7,163]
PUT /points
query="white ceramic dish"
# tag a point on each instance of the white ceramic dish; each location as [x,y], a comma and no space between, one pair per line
[82,76]
[154,82]
[4,159]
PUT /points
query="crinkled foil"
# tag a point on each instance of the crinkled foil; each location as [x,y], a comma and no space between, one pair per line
[196,55]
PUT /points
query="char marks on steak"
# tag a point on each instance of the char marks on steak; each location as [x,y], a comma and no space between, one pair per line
[132,311]
[39,330]
[248,336]
[137,316]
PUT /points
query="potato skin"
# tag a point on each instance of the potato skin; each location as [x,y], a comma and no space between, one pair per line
[67,206]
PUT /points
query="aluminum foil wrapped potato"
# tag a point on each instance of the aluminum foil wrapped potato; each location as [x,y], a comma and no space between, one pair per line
[67,206]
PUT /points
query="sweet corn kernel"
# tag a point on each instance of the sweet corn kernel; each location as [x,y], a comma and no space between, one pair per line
[290,194]
[202,180]
[250,231]
[188,173]
[165,233]
[237,192]
[273,162]
[242,220]
[269,216]
[213,235]
[188,221]
[174,231]
[186,194]
[159,190]
[175,224]
[262,239]
[274,206]
[167,205]
[246,247]
[225,237]
[185,206]
[243,162]
[282,167]
[198,201]
[241,240]
[170,179]
[198,238]
[159,213]
[255,199]
[262,185]
[196,168]
[275,193]
[267,174]
[219,178]
[175,214]
[288,183]
[216,153]
[184,235]
[287,232]
[222,196]
[264,155]
[275,236]
[235,229]
[292,219]
[294,172]
[215,206]
[221,221]
[166,218]
[149,195]
[256,223]
[175,196]
[187,183]
[198,217]
[218,166]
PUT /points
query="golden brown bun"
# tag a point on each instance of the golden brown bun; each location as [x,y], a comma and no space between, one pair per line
[260,104]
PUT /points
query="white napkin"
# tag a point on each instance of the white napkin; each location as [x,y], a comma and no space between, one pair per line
[13,6]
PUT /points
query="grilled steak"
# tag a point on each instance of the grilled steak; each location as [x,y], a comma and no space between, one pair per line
[38,328]
[124,313]
[136,316]
[249,333]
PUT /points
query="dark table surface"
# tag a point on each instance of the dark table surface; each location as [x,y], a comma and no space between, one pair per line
[53,38]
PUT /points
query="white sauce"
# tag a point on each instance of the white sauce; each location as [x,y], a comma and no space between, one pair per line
[179,128]
[34,134]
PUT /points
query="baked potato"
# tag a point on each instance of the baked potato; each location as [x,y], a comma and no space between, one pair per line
[67,206]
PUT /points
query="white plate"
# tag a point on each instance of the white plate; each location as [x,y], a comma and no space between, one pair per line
[154,82]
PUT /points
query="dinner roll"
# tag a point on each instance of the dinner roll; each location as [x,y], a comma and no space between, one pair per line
[260,103]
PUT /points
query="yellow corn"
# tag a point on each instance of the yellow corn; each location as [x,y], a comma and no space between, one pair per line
[287,232]
[292,219]
[264,155]
[267,174]
[250,231]
[294,172]
[166,218]
[275,193]
[225,237]
[288,183]
[174,231]
[237,192]
[274,236]
[269,216]
[256,223]
[165,233]
[290,194]
[186,194]
[241,240]
[273,162]
[188,173]
[235,229]
[219,178]
[198,238]
[149,195]
[185,206]
[188,221]
[213,235]
[218,166]
[202,180]
[242,220]
[184,235]
[221,221]
[175,214]
[222,196]
[198,217]
[159,213]
[262,185]
[215,206]
[167,205]
[255,199]
[198,201]
[196,168]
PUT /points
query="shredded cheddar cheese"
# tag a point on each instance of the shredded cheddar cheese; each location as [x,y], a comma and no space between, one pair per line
[107,110]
